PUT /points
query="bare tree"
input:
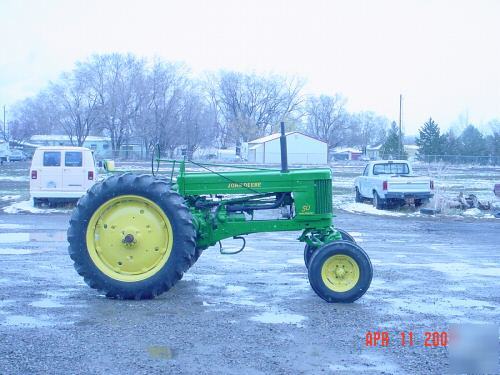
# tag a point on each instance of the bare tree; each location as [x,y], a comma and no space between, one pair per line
[165,85]
[75,105]
[32,116]
[366,128]
[115,78]
[249,105]
[326,118]
[197,122]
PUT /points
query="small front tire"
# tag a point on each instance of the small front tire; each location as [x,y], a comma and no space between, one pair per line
[340,271]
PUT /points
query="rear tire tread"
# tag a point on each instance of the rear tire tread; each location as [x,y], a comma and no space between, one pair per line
[184,235]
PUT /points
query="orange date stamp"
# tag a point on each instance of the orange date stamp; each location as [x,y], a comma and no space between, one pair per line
[428,339]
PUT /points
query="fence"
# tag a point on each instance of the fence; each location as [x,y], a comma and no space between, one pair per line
[456,159]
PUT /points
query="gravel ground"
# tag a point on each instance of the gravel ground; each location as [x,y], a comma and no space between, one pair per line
[249,313]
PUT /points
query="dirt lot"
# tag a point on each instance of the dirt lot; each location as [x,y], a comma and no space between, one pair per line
[248,313]
[253,312]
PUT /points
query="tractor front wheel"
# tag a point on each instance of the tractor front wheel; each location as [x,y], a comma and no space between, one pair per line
[340,271]
[131,237]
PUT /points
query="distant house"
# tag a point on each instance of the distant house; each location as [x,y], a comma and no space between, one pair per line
[411,151]
[100,145]
[373,152]
[339,153]
[301,149]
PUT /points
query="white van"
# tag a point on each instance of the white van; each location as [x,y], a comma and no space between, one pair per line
[61,174]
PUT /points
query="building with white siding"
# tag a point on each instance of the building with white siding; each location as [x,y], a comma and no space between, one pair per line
[302,149]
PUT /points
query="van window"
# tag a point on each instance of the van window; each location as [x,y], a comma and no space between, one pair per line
[51,159]
[73,159]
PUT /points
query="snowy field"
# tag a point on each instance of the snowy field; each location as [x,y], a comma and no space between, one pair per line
[450,180]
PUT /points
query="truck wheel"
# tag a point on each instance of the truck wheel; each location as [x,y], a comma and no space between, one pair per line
[131,237]
[309,251]
[420,202]
[358,198]
[378,202]
[340,272]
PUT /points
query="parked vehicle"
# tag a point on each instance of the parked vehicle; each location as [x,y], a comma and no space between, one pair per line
[17,155]
[392,183]
[61,174]
[496,190]
[4,151]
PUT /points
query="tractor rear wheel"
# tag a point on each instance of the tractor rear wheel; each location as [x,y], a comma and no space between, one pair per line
[131,237]
[309,250]
[340,271]
[197,253]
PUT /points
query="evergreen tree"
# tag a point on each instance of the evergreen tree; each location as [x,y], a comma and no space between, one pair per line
[493,145]
[391,147]
[429,140]
[472,142]
[450,146]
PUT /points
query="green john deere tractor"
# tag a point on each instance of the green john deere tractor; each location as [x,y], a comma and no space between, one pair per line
[133,236]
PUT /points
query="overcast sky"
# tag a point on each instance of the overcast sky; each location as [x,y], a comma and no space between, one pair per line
[443,56]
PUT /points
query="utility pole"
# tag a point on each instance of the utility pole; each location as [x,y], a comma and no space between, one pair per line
[4,134]
[400,127]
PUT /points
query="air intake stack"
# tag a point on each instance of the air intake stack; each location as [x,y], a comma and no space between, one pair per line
[284,154]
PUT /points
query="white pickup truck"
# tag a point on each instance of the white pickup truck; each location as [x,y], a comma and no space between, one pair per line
[390,183]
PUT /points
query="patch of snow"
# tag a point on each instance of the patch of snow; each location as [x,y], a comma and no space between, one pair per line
[27,206]
[13,226]
[46,303]
[26,321]
[460,270]
[299,261]
[368,209]
[437,305]
[472,212]
[235,288]
[17,251]
[370,363]
[13,178]
[9,197]
[14,237]
[279,318]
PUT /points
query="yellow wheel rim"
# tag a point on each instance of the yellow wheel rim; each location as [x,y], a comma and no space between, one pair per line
[340,273]
[129,238]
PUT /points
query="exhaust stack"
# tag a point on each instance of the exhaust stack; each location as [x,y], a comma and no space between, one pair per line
[284,155]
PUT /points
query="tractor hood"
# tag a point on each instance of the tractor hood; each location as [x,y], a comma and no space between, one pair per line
[250,182]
